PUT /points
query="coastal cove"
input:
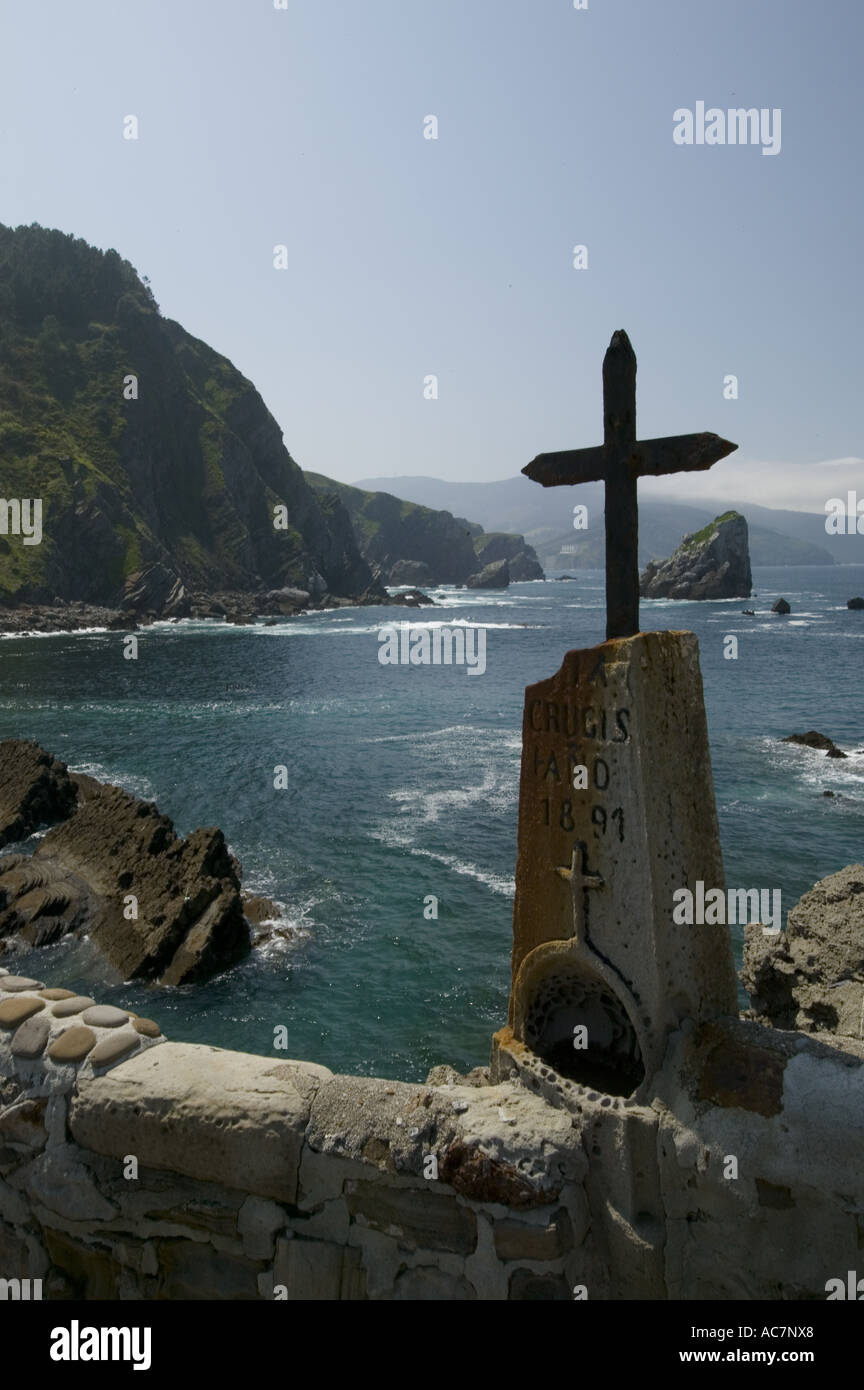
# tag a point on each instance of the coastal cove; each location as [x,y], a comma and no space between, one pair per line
[402,783]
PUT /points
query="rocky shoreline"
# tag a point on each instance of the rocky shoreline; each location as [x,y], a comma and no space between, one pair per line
[157,907]
[227,606]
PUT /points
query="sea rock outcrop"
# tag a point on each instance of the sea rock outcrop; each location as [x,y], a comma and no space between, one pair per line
[157,906]
[414,598]
[781,606]
[494,576]
[812,739]
[522,561]
[711,563]
[285,601]
[855,602]
[35,790]
[811,977]
[412,572]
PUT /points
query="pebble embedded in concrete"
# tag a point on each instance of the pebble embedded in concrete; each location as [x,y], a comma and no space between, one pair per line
[114,1046]
[146,1027]
[56,994]
[72,1045]
[105,1016]
[14,1011]
[76,1005]
[29,1040]
[13,983]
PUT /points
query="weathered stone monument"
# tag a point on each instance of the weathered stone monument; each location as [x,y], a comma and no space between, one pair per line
[616,806]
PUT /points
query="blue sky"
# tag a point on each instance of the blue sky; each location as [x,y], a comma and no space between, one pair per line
[407,256]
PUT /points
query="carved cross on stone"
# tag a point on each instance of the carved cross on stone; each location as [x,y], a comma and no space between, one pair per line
[619,462]
[580,879]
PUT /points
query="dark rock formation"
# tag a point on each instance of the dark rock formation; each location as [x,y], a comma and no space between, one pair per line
[811,977]
[521,559]
[781,606]
[494,576]
[181,477]
[258,909]
[35,790]
[415,598]
[62,617]
[855,603]
[229,606]
[284,601]
[712,563]
[812,739]
[158,907]
[412,572]
[155,591]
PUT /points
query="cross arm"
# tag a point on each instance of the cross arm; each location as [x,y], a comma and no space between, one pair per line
[568,466]
[679,453]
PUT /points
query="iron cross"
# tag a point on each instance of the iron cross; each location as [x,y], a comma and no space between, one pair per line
[619,462]
[580,878]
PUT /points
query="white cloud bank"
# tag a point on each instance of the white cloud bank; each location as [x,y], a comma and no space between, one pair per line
[801,487]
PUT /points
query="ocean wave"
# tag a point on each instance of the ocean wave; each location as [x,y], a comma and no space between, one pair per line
[62,632]
[430,805]
[452,729]
[138,785]
[497,883]
[813,769]
[282,934]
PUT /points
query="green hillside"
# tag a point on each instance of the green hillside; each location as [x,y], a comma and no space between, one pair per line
[187,474]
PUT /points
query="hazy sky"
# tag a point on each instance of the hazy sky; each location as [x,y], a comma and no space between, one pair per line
[304,126]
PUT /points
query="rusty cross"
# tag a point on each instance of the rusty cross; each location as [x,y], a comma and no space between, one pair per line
[619,462]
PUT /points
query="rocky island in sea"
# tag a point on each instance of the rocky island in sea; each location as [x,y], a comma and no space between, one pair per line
[711,563]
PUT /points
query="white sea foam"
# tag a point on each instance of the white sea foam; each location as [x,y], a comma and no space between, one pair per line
[429,806]
[64,632]
[506,887]
[497,883]
[813,769]
[457,730]
[131,782]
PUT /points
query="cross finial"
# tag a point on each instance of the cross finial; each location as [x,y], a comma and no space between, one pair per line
[619,462]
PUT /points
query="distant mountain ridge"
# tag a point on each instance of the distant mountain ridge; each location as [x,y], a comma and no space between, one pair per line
[544,517]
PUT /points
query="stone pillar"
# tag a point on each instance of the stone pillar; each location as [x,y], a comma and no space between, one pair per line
[616,812]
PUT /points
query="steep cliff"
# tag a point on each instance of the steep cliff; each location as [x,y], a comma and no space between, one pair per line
[413,544]
[143,444]
[712,563]
[390,531]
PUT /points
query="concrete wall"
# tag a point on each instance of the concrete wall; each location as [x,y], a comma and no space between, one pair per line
[184,1171]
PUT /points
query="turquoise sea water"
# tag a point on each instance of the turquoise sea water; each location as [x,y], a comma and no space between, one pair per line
[403,782]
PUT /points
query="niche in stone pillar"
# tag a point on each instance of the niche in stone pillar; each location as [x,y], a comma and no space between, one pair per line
[565,997]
